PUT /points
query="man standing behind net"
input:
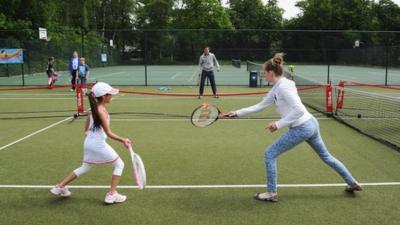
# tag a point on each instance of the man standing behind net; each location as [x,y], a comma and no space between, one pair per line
[206,63]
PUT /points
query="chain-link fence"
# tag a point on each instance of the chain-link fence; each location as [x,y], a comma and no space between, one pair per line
[170,57]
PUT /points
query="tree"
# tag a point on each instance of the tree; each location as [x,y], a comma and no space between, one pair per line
[155,15]
[255,15]
[388,14]
[336,14]
[197,14]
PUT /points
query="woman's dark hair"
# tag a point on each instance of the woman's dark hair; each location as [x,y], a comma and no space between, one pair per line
[275,64]
[51,59]
[93,100]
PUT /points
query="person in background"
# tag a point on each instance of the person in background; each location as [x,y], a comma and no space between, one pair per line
[51,72]
[207,62]
[73,68]
[83,73]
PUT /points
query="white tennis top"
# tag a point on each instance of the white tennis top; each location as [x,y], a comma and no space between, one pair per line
[95,148]
[284,95]
[97,134]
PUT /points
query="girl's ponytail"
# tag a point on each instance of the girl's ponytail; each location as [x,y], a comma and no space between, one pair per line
[95,113]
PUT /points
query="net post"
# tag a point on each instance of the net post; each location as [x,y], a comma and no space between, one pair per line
[328,91]
[79,99]
[340,98]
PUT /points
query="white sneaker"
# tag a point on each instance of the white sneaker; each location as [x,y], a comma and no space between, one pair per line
[114,198]
[64,192]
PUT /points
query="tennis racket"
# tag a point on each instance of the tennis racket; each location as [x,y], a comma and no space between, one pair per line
[139,172]
[205,115]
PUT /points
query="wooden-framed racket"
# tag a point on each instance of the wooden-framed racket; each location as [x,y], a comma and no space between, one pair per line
[138,170]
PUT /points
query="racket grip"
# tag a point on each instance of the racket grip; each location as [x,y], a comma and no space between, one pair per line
[226,116]
[130,148]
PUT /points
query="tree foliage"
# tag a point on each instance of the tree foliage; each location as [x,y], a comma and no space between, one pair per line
[214,22]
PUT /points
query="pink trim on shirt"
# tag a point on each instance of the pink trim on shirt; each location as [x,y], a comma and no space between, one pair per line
[104,162]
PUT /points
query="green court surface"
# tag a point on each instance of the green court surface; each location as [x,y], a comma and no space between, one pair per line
[228,75]
[195,176]
[135,75]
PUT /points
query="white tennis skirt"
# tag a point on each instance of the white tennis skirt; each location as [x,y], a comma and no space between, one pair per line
[98,152]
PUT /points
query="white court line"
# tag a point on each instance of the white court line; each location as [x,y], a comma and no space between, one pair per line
[34,133]
[127,97]
[176,75]
[37,94]
[218,186]
[193,77]
[107,75]
[35,98]
[188,119]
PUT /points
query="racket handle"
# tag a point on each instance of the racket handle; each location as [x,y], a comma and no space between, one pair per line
[130,148]
[226,116]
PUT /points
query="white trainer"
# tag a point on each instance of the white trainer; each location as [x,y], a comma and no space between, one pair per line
[64,192]
[114,198]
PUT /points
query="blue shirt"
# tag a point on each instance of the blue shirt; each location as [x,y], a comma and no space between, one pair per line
[83,70]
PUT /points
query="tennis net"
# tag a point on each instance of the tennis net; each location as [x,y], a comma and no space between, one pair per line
[252,66]
[372,114]
[312,93]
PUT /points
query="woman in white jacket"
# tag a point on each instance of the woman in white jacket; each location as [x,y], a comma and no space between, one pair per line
[302,127]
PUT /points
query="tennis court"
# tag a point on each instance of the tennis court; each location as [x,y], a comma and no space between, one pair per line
[204,160]
[195,176]
[228,75]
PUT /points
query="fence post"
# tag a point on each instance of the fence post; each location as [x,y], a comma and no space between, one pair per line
[23,74]
[82,44]
[145,58]
[386,60]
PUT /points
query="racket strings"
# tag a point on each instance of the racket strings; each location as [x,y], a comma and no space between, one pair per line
[204,115]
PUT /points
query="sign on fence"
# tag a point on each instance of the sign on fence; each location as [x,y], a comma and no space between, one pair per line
[11,55]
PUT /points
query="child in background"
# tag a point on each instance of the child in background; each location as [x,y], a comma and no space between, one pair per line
[83,73]
[51,72]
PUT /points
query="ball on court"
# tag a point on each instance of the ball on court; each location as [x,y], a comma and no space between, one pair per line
[359,116]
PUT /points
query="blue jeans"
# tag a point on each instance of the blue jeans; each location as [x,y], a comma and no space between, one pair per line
[309,132]
[82,80]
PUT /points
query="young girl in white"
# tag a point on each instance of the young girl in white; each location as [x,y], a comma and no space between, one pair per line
[96,149]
